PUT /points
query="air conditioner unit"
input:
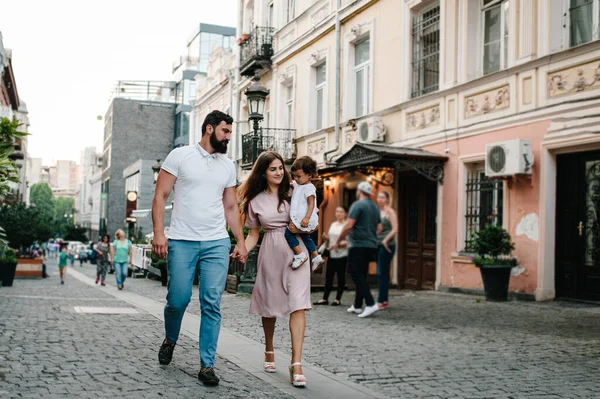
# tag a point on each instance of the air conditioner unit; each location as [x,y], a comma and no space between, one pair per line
[371,130]
[507,158]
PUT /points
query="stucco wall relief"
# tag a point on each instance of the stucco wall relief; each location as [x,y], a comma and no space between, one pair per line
[486,102]
[315,147]
[424,118]
[574,79]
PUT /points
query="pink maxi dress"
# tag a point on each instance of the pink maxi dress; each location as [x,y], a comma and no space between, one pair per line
[278,290]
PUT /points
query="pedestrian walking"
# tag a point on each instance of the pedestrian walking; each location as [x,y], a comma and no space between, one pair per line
[337,261]
[203,179]
[81,255]
[304,212]
[72,255]
[386,246]
[121,252]
[279,290]
[62,264]
[102,263]
[362,227]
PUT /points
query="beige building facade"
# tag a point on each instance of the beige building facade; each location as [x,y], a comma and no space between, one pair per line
[424,99]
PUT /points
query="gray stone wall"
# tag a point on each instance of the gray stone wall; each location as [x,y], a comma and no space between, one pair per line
[140,130]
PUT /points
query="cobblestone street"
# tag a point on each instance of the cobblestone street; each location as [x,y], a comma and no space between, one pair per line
[430,345]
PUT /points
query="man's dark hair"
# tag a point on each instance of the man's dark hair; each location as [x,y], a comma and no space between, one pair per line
[307,164]
[214,119]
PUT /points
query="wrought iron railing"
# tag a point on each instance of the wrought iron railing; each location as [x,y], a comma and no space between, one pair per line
[258,45]
[278,140]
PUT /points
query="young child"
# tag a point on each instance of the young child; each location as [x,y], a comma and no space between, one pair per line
[62,264]
[303,212]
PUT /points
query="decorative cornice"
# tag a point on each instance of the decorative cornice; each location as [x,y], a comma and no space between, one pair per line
[423,118]
[558,82]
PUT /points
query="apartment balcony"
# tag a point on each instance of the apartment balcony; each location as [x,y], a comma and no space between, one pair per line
[278,140]
[256,50]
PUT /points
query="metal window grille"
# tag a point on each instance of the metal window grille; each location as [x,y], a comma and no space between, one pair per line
[426,51]
[484,204]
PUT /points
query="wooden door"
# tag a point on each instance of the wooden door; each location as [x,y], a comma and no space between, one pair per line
[577,228]
[419,234]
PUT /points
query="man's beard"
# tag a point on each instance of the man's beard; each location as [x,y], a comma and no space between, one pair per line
[218,146]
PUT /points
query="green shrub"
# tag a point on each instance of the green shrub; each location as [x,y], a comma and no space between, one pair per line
[493,245]
[9,256]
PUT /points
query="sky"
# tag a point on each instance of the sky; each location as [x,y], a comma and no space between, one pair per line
[69,54]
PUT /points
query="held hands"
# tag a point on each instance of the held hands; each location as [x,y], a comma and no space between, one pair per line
[160,245]
[240,252]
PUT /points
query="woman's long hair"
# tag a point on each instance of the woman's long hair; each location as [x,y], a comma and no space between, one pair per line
[257,182]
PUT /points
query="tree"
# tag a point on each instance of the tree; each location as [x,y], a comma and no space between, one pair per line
[24,225]
[8,167]
[63,206]
[41,196]
[75,233]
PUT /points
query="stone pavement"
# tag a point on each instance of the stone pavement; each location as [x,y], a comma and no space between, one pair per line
[47,349]
[427,345]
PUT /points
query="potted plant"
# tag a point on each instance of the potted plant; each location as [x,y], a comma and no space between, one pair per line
[8,266]
[493,255]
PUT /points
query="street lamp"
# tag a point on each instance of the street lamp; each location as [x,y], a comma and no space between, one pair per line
[257,96]
[156,169]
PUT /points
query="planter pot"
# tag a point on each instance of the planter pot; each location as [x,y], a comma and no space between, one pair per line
[7,273]
[495,281]
[232,284]
[29,267]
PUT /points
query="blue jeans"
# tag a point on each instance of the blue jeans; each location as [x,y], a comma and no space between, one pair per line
[120,272]
[384,259]
[212,260]
[292,241]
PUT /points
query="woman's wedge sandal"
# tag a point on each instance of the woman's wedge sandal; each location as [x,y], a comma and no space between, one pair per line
[297,380]
[269,367]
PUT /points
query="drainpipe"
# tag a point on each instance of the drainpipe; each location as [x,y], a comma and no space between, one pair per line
[236,94]
[338,34]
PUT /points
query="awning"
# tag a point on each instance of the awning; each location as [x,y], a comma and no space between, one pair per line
[425,163]
[142,213]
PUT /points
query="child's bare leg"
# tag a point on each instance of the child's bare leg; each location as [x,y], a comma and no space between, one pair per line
[297,250]
[314,254]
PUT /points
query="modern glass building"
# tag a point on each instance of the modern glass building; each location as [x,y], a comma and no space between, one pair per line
[195,62]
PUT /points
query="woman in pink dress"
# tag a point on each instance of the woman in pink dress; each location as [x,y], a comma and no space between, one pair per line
[279,290]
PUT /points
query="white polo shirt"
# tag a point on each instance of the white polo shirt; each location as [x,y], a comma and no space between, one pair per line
[198,213]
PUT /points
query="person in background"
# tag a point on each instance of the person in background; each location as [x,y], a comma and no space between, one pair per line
[62,264]
[121,251]
[386,246]
[103,251]
[363,225]
[71,252]
[81,256]
[338,259]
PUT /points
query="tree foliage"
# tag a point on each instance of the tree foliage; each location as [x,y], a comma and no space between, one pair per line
[41,196]
[75,233]
[8,168]
[63,206]
[24,225]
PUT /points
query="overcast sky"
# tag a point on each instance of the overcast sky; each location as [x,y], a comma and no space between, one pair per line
[68,55]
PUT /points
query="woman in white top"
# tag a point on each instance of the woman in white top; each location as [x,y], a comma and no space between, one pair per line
[338,258]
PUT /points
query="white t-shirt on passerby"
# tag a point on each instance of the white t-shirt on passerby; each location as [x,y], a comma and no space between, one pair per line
[201,178]
[299,206]
[334,232]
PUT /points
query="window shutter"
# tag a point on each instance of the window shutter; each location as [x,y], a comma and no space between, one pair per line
[557,30]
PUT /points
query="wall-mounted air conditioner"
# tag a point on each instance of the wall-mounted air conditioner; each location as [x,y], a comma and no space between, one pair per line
[371,130]
[507,158]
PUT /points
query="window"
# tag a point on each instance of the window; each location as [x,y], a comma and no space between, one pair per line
[484,203]
[320,87]
[132,183]
[271,15]
[584,19]
[289,106]
[426,51]
[495,35]
[289,12]
[362,76]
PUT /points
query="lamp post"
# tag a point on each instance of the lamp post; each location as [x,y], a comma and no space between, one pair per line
[156,169]
[257,96]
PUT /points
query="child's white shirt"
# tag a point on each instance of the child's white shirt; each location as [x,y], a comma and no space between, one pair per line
[299,206]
